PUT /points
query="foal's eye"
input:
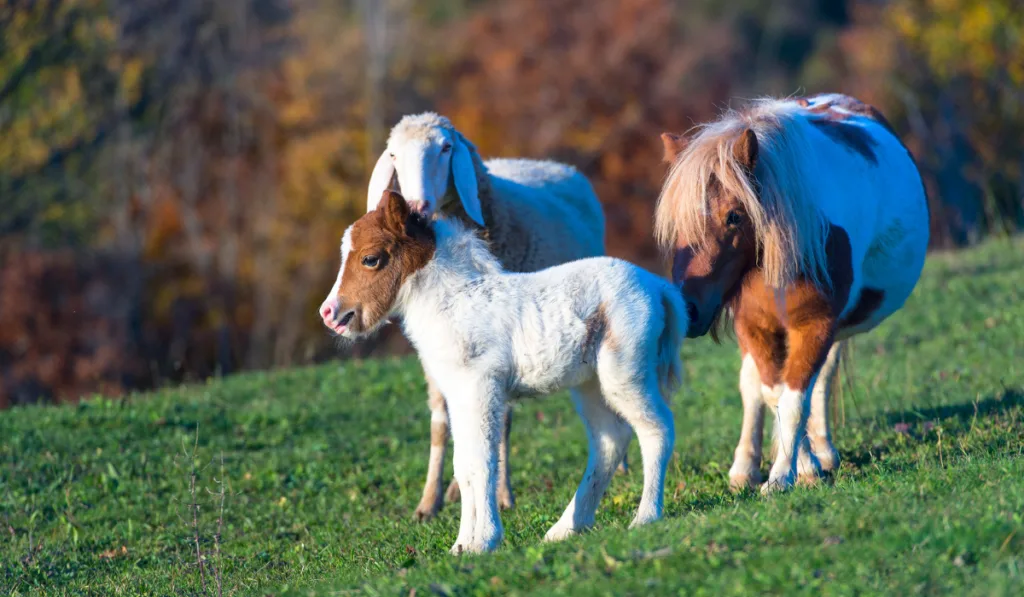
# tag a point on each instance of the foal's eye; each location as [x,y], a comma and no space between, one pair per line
[733,218]
[371,261]
[446,148]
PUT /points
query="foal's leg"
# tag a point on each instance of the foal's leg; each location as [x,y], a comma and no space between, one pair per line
[644,408]
[746,465]
[476,420]
[808,347]
[819,426]
[608,437]
[433,496]
[506,499]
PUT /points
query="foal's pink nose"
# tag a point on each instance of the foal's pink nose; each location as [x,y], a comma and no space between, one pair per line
[328,310]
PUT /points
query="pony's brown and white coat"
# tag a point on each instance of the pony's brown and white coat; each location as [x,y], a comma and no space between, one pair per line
[807,219]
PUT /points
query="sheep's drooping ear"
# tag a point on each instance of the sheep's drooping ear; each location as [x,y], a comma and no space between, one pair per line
[464,175]
[396,211]
[674,145]
[380,180]
[745,149]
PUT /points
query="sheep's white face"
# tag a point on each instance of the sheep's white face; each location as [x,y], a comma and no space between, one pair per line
[423,167]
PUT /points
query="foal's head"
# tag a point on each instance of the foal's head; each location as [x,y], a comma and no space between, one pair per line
[378,253]
[711,232]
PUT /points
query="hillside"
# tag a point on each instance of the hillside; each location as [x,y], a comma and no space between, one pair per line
[322,468]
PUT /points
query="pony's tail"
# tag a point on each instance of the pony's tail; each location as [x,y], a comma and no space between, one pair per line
[670,364]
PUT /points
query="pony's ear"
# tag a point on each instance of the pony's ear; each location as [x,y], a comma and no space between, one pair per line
[396,211]
[380,180]
[674,145]
[745,149]
[464,176]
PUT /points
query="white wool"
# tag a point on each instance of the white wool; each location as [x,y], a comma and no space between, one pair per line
[603,327]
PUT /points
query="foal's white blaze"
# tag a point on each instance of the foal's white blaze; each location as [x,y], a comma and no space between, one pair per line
[329,308]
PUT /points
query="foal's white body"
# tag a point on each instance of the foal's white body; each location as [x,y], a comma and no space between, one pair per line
[603,327]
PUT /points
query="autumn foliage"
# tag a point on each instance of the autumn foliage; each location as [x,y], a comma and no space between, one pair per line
[175,174]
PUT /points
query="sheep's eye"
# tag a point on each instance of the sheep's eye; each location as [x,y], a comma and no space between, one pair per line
[371,261]
[446,148]
[392,154]
[733,218]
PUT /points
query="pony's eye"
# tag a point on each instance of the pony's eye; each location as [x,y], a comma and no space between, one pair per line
[446,148]
[371,261]
[733,218]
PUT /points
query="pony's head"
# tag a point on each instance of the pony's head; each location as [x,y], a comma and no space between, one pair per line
[378,253]
[734,200]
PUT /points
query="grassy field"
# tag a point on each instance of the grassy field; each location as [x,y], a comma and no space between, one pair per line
[321,468]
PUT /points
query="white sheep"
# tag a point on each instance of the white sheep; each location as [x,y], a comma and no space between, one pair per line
[607,329]
[535,214]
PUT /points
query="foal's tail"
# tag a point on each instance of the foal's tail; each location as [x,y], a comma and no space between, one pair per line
[670,365]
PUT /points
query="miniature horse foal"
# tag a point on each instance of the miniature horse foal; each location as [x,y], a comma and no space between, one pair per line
[607,329]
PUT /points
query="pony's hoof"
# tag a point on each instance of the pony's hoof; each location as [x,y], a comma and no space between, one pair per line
[777,485]
[453,494]
[809,480]
[829,461]
[741,483]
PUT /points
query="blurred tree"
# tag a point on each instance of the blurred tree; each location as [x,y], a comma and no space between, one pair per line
[951,74]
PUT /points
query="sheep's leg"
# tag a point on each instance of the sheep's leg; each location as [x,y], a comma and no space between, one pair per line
[505,497]
[476,427]
[746,466]
[608,437]
[433,496]
[819,426]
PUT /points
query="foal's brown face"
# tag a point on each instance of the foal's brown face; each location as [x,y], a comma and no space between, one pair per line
[711,269]
[379,252]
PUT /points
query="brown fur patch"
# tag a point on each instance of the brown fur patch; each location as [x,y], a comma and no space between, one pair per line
[855,138]
[789,338]
[851,105]
[869,301]
[401,241]
[596,325]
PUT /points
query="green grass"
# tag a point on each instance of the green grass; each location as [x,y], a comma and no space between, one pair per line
[323,467]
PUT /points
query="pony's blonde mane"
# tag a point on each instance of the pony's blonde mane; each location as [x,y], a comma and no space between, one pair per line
[790,228]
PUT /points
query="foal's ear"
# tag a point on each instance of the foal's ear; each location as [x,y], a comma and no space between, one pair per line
[745,149]
[396,211]
[674,145]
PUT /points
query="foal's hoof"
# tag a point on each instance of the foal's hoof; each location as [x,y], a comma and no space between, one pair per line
[453,494]
[558,533]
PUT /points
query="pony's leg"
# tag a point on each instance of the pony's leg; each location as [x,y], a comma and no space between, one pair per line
[433,496]
[808,347]
[819,427]
[746,465]
[505,497]
[608,437]
[475,421]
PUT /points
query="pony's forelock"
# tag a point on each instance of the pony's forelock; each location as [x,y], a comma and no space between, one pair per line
[790,229]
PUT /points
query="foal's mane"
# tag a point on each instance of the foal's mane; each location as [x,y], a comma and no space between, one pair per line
[460,247]
[790,228]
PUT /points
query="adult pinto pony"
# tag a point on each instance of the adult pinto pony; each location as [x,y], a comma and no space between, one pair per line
[806,219]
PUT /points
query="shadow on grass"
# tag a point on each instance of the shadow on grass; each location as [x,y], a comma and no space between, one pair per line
[966,411]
